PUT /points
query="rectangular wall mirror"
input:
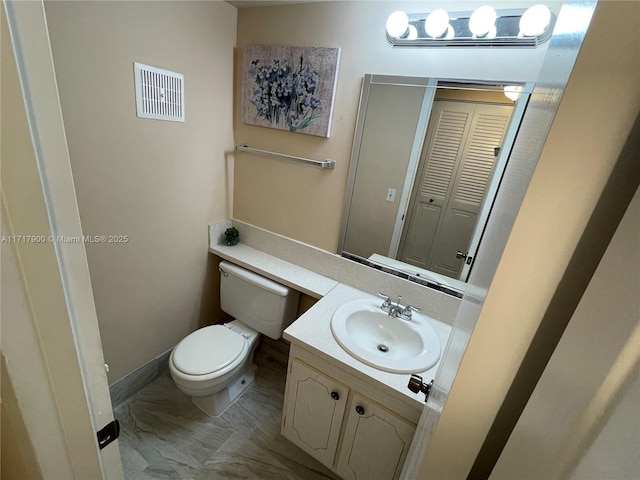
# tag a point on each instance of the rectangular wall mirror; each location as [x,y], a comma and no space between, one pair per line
[426,164]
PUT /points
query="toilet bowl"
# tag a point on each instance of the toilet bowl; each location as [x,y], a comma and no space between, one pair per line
[214,365]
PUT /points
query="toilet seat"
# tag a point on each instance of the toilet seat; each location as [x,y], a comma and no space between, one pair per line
[208,351]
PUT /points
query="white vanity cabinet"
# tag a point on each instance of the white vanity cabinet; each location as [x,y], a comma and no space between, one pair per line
[315,407]
[375,442]
[346,423]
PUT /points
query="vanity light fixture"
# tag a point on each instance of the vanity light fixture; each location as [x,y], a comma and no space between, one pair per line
[484,27]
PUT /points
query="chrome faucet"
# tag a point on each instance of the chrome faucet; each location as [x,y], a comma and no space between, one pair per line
[386,305]
[397,310]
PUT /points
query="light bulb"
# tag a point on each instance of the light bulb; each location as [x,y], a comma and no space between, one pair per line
[397,24]
[451,33]
[482,20]
[535,21]
[413,33]
[436,23]
[512,92]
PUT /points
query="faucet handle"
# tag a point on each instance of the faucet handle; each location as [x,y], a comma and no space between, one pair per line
[406,313]
[386,305]
[409,308]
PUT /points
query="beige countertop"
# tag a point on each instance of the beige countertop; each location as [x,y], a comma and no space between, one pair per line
[312,331]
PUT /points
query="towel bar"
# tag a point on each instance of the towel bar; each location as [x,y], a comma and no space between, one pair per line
[330,164]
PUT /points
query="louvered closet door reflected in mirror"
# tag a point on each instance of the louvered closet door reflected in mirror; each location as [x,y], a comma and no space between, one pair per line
[455,171]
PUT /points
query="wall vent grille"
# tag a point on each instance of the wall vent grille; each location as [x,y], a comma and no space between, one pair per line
[159,93]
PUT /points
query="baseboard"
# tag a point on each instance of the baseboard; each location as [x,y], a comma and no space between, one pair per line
[135,381]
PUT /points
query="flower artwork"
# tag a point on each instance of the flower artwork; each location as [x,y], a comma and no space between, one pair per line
[289,88]
[285,95]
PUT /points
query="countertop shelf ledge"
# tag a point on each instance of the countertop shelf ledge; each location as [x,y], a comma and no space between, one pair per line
[302,279]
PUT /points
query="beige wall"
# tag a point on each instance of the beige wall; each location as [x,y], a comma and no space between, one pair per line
[392,117]
[43,392]
[12,463]
[585,378]
[616,449]
[160,183]
[473,96]
[589,131]
[18,459]
[303,202]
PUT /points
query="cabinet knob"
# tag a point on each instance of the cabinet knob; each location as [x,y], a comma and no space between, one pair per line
[335,395]
[360,410]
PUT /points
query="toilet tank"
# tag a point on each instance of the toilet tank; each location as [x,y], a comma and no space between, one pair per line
[260,303]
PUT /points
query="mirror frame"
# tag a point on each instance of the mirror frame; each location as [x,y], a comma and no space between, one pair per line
[430,84]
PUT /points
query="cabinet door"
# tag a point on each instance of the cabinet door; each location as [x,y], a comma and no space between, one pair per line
[314,408]
[375,442]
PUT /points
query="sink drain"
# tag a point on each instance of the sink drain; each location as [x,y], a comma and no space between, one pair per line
[383,348]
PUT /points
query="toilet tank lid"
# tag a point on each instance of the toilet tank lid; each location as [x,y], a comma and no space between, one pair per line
[255,279]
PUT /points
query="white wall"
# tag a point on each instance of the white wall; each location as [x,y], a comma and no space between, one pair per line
[159,183]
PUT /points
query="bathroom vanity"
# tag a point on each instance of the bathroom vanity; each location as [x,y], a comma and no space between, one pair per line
[357,420]
[332,416]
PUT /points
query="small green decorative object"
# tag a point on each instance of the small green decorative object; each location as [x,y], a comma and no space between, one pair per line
[231,236]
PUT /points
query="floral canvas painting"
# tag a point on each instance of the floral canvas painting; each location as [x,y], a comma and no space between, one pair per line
[289,88]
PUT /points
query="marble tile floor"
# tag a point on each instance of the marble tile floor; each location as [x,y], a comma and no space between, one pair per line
[164,436]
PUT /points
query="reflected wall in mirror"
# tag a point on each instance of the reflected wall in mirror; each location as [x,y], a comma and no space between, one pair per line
[426,164]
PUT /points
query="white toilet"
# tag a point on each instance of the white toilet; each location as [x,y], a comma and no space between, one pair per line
[214,365]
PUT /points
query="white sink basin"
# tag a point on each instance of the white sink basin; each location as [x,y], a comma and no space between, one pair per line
[384,342]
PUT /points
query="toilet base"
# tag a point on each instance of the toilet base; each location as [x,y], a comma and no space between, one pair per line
[215,405]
